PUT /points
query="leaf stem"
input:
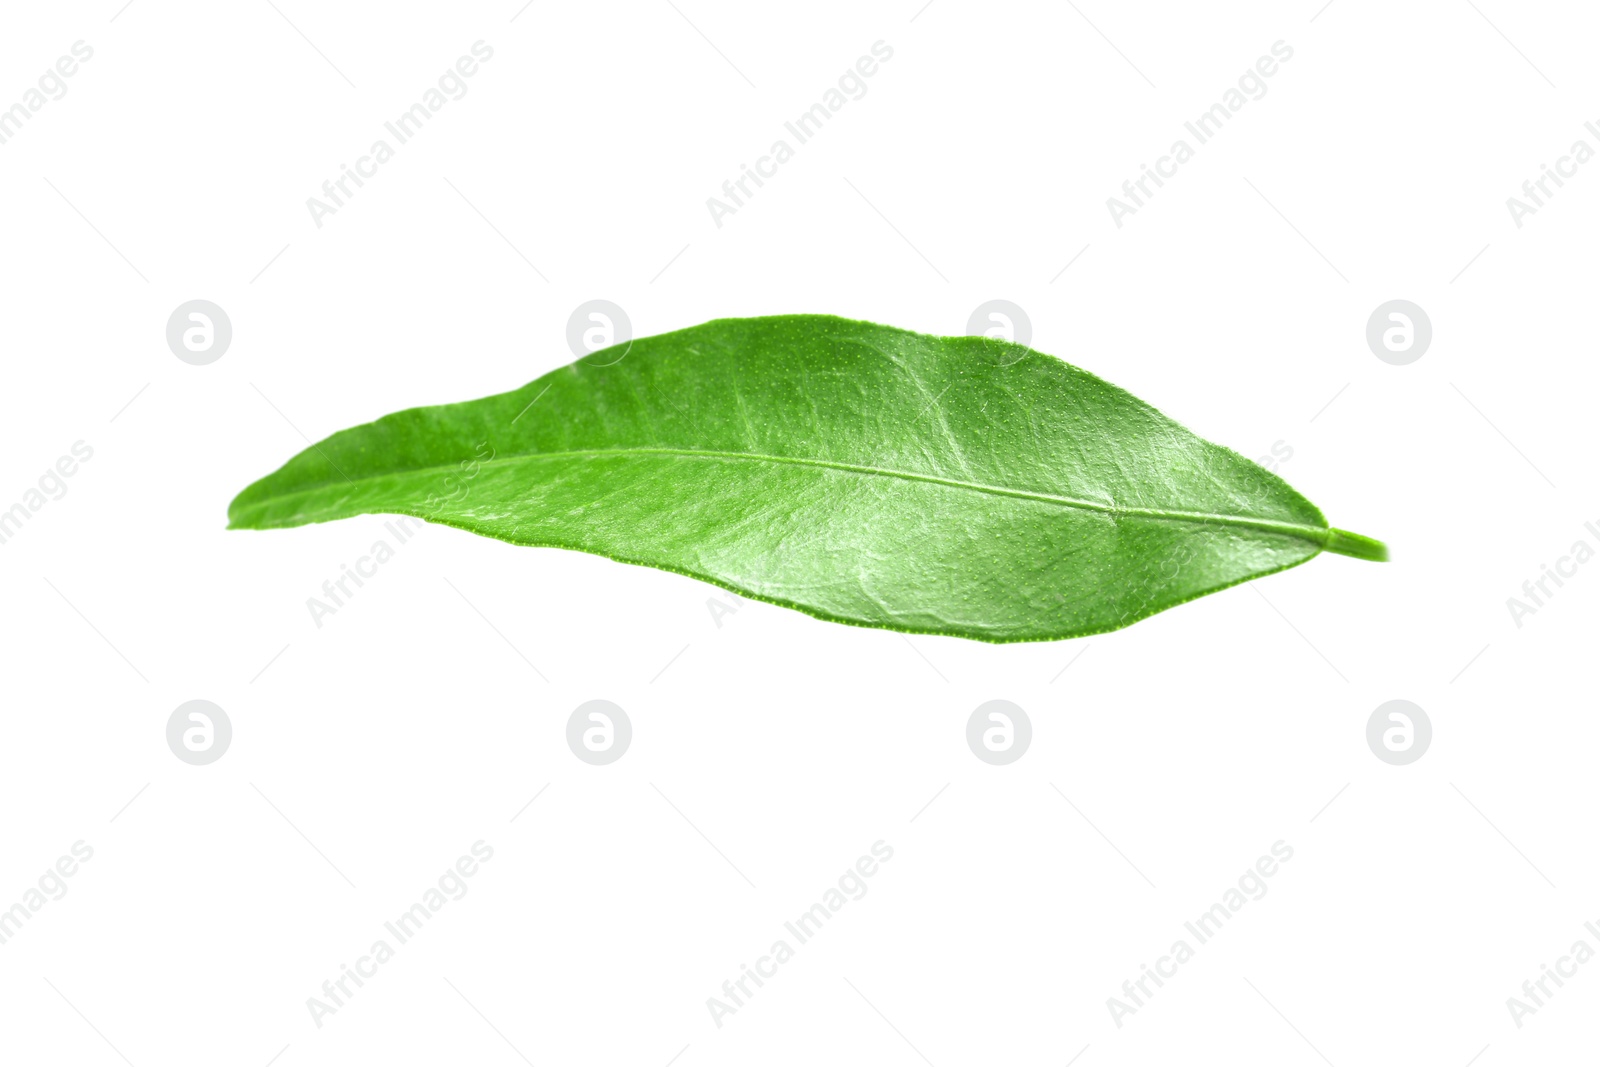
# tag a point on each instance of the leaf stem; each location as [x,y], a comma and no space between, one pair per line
[1345,543]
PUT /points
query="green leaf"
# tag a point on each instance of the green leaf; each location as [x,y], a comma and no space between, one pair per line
[859,473]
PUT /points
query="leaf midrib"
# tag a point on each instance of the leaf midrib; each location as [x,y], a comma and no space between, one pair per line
[1318,535]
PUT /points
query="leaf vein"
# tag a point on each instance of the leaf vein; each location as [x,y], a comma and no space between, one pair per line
[1319,535]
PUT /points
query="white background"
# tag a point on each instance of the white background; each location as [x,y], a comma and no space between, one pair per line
[771,751]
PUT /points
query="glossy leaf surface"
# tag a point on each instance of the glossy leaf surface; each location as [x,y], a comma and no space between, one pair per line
[856,472]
